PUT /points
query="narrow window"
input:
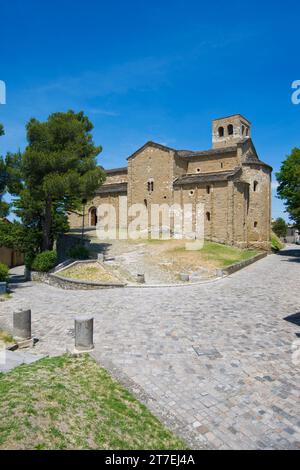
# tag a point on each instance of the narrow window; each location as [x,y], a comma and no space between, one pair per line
[208,216]
[255,224]
[146,202]
[230,129]
[150,186]
[221,131]
[208,189]
[247,131]
[255,184]
[222,165]
[243,130]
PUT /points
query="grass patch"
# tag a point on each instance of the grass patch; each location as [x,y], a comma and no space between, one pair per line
[222,255]
[93,272]
[69,402]
[4,297]
[6,338]
[276,243]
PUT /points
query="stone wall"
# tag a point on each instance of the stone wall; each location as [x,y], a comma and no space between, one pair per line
[259,213]
[213,163]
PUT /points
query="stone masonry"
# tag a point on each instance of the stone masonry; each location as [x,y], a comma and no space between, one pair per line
[230,179]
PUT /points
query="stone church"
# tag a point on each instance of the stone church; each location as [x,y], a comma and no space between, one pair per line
[230,179]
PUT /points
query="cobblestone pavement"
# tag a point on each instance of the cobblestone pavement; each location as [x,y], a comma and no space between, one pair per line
[217,362]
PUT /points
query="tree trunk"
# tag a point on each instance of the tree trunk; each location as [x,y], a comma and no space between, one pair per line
[47,226]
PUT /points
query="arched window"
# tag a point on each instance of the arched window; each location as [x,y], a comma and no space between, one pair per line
[247,131]
[93,216]
[255,185]
[230,129]
[208,189]
[255,224]
[221,131]
[208,216]
[152,186]
[222,165]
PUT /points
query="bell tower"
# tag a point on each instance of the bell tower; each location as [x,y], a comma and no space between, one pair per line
[230,130]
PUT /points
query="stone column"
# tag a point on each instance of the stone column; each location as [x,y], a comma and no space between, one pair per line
[22,324]
[84,330]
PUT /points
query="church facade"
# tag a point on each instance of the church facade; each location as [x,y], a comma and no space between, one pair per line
[229,179]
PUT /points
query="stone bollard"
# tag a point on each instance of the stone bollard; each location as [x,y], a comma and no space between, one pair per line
[3,288]
[27,274]
[22,324]
[84,331]
[140,278]
[184,277]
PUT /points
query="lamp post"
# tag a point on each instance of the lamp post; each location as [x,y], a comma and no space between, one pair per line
[84,201]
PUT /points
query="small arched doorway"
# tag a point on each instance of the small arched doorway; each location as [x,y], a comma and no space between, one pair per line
[93,216]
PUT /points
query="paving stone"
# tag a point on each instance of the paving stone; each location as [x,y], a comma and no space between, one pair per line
[239,320]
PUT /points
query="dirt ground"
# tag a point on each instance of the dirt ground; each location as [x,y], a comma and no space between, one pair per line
[161,261]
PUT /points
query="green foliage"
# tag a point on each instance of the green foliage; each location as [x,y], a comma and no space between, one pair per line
[57,170]
[279,227]
[45,261]
[276,244]
[289,184]
[79,252]
[3,272]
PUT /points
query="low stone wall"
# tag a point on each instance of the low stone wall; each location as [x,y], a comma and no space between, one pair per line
[237,266]
[70,284]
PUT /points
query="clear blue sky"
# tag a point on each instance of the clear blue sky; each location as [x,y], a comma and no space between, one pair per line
[153,70]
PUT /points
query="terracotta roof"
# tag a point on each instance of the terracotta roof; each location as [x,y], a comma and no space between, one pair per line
[112,188]
[206,177]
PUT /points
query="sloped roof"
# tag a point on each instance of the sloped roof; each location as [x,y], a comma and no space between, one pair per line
[116,170]
[112,188]
[206,177]
[204,153]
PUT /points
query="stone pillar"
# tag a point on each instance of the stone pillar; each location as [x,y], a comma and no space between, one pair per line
[3,288]
[84,330]
[141,278]
[22,324]
[27,274]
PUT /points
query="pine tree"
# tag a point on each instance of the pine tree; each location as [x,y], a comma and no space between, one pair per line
[57,170]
